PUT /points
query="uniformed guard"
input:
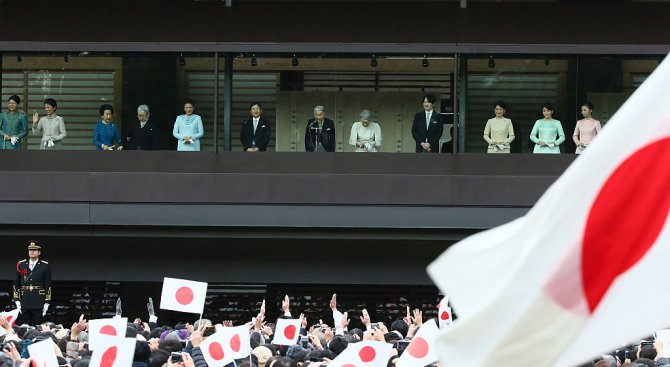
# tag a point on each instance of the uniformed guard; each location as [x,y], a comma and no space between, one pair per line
[32,286]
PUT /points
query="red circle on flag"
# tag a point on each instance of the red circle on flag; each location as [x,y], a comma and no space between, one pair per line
[108,357]
[235,343]
[444,315]
[184,295]
[108,330]
[216,351]
[367,354]
[9,319]
[626,218]
[289,332]
[418,348]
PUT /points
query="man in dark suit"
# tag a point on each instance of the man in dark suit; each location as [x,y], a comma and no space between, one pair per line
[141,134]
[256,131]
[427,127]
[32,286]
[320,132]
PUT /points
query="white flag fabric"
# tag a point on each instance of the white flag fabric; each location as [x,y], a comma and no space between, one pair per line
[369,353]
[113,352]
[100,329]
[423,348]
[183,295]
[11,317]
[226,345]
[287,332]
[43,353]
[554,287]
[444,313]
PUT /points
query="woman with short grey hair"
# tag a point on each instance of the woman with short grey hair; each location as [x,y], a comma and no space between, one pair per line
[366,135]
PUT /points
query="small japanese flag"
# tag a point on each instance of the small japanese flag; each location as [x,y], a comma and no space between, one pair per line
[444,313]
[287,332]
[422,350]
[113,352]
[43,353]
[369,353]
[183,295]
[101,328]
[226,345]
[11,317]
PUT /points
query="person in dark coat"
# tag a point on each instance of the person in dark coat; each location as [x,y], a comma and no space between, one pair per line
[32,286]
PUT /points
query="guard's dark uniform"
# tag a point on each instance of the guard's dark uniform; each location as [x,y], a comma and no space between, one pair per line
[32,289]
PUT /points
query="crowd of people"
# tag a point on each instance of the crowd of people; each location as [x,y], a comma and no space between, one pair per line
[366,135]
[319,343]
[178,345]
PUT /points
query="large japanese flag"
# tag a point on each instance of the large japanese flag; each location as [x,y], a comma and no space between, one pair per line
[183,295]
[11,317]
[423,348]
[114,352]
[287,331]
[554,287]
[226,345]
[369,353]
[43,353]
[99,329]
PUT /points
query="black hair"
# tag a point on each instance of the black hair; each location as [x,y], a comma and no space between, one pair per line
[256,104]
[189,101]
[588,105]
[400,326]
[106,107]
[285,362]
[338,344]
[647,351]
[501,104]
[142,352]
[430,98]
[158,358]
[51,102]
[171,345]
[548,106]
[14,98]
[131,331]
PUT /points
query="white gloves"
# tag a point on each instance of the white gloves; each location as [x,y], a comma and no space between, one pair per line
[18,305]
[44,310]
[14,140]
[50,143]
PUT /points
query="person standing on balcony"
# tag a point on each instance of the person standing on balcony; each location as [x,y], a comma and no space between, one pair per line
[188,129]
[427,127]
[13,125]
[51,126]
[106,135]
[256,130]
[366,135]
[320,132]
[586,128]
[141,133]
[547,133]
[498,131]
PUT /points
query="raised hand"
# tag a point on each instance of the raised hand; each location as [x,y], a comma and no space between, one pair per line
[286,305]
[333,302]
[365,319]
